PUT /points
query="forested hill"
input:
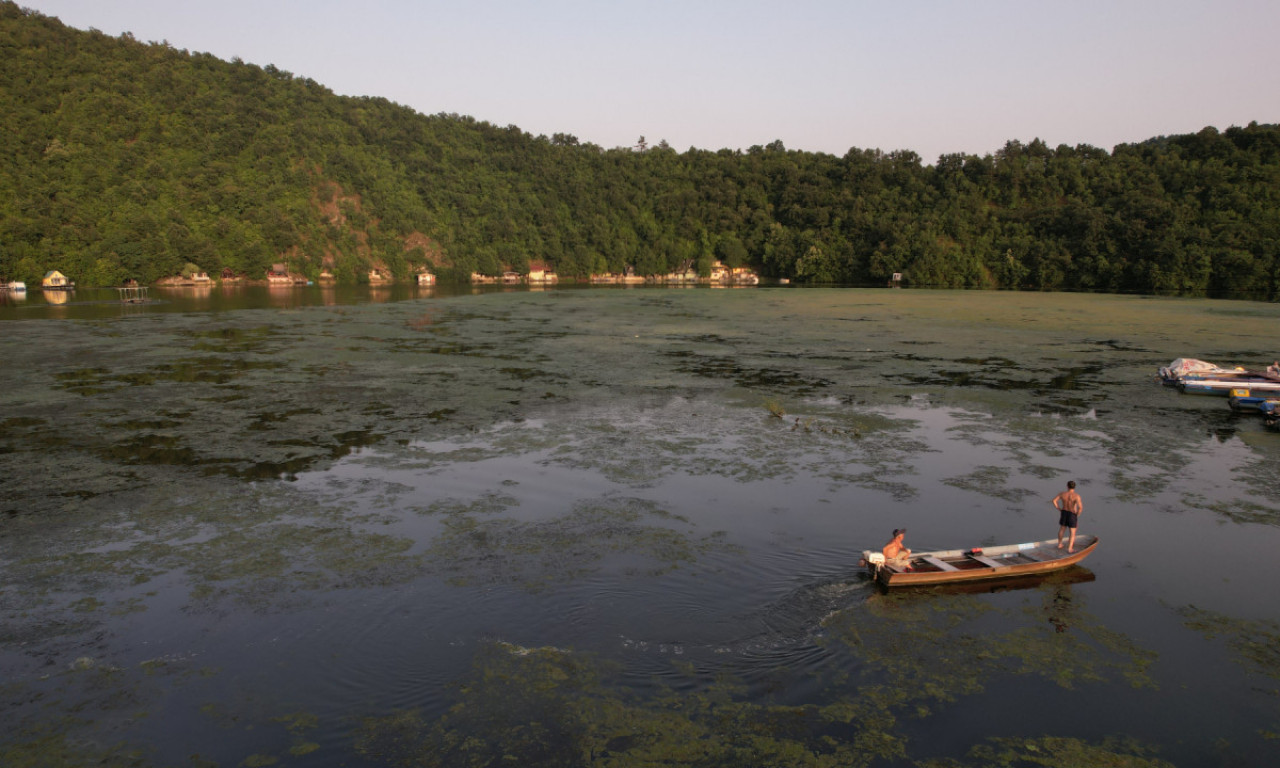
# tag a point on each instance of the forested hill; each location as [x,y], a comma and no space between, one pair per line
[123,159]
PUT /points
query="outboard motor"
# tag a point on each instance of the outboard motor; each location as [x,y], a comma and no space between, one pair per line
[874,561]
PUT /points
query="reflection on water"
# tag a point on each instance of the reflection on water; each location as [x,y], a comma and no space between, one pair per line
[621,527]
[104,303]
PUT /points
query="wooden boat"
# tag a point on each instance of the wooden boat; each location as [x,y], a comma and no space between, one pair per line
[1075,575]
[957,565]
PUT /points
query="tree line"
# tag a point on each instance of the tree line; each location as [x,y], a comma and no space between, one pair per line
[130,160]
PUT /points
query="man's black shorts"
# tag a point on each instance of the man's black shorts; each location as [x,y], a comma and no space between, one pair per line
[1069,519]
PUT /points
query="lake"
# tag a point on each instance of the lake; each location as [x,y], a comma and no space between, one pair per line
[600,526]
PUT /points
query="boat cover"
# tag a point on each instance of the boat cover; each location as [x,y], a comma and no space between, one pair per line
[1184,365]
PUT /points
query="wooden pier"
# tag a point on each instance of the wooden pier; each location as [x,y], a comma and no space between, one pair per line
[133,294]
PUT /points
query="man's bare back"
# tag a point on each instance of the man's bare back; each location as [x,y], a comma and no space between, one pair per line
[1070,506]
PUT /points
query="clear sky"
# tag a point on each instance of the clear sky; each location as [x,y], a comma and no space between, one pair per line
[820,75]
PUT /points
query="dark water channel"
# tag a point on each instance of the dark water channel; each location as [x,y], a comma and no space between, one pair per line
[621,527]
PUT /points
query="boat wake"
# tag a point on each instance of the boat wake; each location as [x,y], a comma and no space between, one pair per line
[783,632]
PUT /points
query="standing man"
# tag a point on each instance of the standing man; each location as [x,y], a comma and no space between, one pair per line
[1070,506]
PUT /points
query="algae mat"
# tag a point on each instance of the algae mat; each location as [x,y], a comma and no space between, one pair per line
[620,527]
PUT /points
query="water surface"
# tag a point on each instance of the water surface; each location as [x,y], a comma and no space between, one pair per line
[621,527]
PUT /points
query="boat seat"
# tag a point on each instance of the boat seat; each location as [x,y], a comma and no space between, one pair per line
[939,564]
[988,561]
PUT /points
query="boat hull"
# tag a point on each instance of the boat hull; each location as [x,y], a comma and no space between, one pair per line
[1252,402]
[1271,414]
[1225,387]
[988,563]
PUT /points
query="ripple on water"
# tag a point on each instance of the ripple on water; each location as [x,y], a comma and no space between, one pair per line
[625,512]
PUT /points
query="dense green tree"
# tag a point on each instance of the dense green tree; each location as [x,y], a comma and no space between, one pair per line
[129,160]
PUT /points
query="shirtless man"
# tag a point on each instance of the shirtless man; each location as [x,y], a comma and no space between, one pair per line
[894,553]
[1070,506]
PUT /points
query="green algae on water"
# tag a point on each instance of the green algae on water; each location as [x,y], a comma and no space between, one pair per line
[1055,752]
[245,475]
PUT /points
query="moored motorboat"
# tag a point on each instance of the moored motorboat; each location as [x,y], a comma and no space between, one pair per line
[1271,413]
[1225,387]
[1243,400]
[947,566]
[1186,370]
[1184,367]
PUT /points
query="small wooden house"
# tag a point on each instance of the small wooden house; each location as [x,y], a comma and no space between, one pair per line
[723,275]
[542,276]
[278,274]
[426,278]
[55,281]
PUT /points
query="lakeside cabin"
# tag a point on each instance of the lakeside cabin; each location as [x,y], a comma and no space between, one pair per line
[54,280]
[628,276]
[195,278]
[279,275]
[733,275]
[378,277]
[426,278]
